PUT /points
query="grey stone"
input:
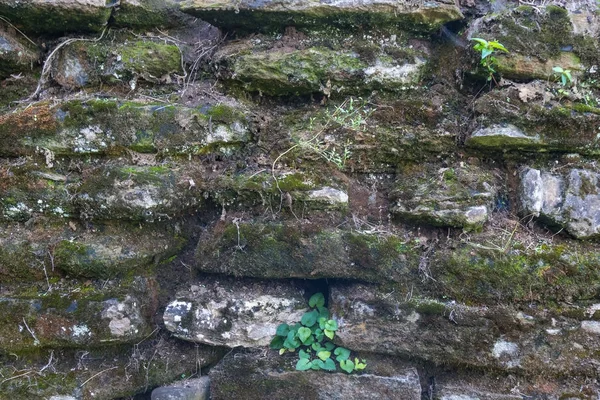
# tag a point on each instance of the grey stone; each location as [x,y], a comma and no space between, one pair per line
[501,138]
[233,313]
[569,199]
[16,54]
[461,196]
[328,195]
[247,14]
[256,376]
[190,389]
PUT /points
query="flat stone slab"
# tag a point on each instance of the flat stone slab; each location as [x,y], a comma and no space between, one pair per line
[228,312]
[248,15]
[273,376]
[502,138]
[190,389]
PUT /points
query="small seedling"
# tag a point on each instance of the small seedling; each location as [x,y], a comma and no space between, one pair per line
[487,50]
[564,75]
[312,338]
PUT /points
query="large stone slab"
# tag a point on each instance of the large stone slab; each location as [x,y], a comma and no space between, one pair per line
[296,250]
[227,312]
[104,372]
[274,377]
[83,318]
[58,16]
[110,126]
[252,16]
[104,251]
[460,195]
[569,199]
[532,341]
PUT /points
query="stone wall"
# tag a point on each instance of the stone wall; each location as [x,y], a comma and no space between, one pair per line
[178,178]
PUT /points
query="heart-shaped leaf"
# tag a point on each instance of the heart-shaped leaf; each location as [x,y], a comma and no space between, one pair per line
[324,355]
[347,365]
[316,300]
[329,346]
[329,365]
[331,325]
[277,343]
[310,318]
[329,334]
[303,364]
[304,334]
[317,365]
[323,312]
[282,330]
[303,354]
[341,353]
[359,365]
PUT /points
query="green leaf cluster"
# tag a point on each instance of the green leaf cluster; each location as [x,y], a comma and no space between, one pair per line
[487,49]
[312,339]
[564,75]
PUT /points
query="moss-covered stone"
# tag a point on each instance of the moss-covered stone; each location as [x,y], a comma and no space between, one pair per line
[268,16]
[146,14]
[77,128]
[297,251]
[56,17]
[16,54]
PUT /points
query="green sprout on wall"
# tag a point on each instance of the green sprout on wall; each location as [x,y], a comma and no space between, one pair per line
[487,49]
[564,75]
[312,339]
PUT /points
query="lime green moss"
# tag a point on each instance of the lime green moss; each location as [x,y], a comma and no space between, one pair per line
[150,58]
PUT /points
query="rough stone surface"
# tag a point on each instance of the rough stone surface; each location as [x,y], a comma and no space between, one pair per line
[503,138]
[274,377]
[459,196]
[247,315]
[190,389]
[570,199]
[56,17]
[275,14]
[16,54]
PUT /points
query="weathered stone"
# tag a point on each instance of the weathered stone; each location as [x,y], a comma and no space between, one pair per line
[111,126]
[82,64]
[379,321]
[139,193]
[570,200]
[16,54]
[547,119]
[274,377]
[151,14]
[315,69]
[520,67]
[56,17]
[295,250]
[52,319]
[104,372]
[105,251]
[233,312]
[459,196]
[190,389]
[505,137]
[270,15]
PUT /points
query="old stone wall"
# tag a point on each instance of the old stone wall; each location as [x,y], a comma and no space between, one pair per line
[177,178]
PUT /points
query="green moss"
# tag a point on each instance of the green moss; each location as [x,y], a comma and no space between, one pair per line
[225,114]
[150,58]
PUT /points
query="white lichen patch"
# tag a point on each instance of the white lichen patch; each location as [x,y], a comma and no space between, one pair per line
[329,195]
[591,326]
[80,331]
[507,353]
[394,75]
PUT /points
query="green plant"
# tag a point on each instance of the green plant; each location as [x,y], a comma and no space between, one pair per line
[564,75]
[487,51]
[312,339]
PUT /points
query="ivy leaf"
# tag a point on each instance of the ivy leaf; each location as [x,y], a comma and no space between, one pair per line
[329,334]
[319,335]
[304,334]
[303,364]
[324,355]
[322,322]
[323,312]
[277,343]
[347,365]
[329,346]
[282,330]
[359,365]
[303,354]
[310,318]
[316,300]
[291,342]
[329,365]
[317,365]
[342,354]
[316,346]
[331,325]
